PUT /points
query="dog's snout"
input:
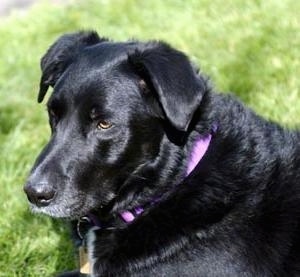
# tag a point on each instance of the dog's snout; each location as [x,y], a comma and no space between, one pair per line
[40,194]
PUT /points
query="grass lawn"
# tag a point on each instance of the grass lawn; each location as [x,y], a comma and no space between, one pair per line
[250,48]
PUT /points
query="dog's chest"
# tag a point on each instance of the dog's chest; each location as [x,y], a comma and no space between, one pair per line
[87,259]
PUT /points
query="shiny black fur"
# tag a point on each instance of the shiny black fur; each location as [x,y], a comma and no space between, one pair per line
[237,214]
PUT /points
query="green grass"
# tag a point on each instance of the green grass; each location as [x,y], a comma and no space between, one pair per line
[248,47]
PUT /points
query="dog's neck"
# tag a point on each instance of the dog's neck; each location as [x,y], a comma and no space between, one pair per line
[199,148]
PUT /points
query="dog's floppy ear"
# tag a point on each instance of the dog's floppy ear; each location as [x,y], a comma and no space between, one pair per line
[60,55]
[175,81]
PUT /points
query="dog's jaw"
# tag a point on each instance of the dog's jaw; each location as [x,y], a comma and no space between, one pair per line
[62,210]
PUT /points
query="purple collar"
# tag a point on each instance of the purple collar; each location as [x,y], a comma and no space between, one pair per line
[200,147]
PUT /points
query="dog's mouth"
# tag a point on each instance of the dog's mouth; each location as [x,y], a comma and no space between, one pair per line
[74,208]
[61,211]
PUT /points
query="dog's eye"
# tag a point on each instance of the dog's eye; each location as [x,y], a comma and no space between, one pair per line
[52,113]
[103,125]
[53,117]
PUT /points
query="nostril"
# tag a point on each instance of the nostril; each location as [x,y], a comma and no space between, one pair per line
[45,196]
[40,194]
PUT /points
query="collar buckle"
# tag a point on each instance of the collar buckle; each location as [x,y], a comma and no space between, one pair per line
[83,226]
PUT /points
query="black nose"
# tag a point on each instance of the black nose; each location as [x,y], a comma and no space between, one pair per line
[40,194]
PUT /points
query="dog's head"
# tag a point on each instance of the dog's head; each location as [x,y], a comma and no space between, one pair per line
[110,111]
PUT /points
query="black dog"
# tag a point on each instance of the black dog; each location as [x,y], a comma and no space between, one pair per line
[166,177]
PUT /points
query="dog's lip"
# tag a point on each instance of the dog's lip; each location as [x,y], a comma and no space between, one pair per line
[55,211]
[77,210]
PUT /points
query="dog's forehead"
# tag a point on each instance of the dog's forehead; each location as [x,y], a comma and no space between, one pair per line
[94,72]
[99,62]
[106,54]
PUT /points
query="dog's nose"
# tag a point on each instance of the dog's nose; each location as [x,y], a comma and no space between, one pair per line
[40,194]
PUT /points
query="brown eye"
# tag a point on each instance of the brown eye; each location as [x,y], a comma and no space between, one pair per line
[53,116]
[104,125]
[52,113]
